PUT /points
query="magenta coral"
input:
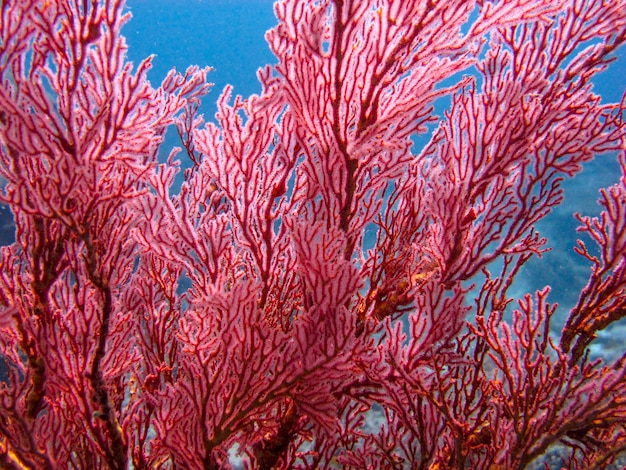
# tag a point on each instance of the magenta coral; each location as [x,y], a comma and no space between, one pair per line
[318,293]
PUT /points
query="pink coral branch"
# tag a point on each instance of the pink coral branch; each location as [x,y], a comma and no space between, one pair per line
[319,291]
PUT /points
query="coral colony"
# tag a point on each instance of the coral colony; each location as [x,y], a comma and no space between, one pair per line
[321,291]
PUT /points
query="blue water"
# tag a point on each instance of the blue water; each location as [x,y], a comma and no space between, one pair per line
[228,35]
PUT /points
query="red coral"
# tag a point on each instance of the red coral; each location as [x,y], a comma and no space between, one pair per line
[303,299]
